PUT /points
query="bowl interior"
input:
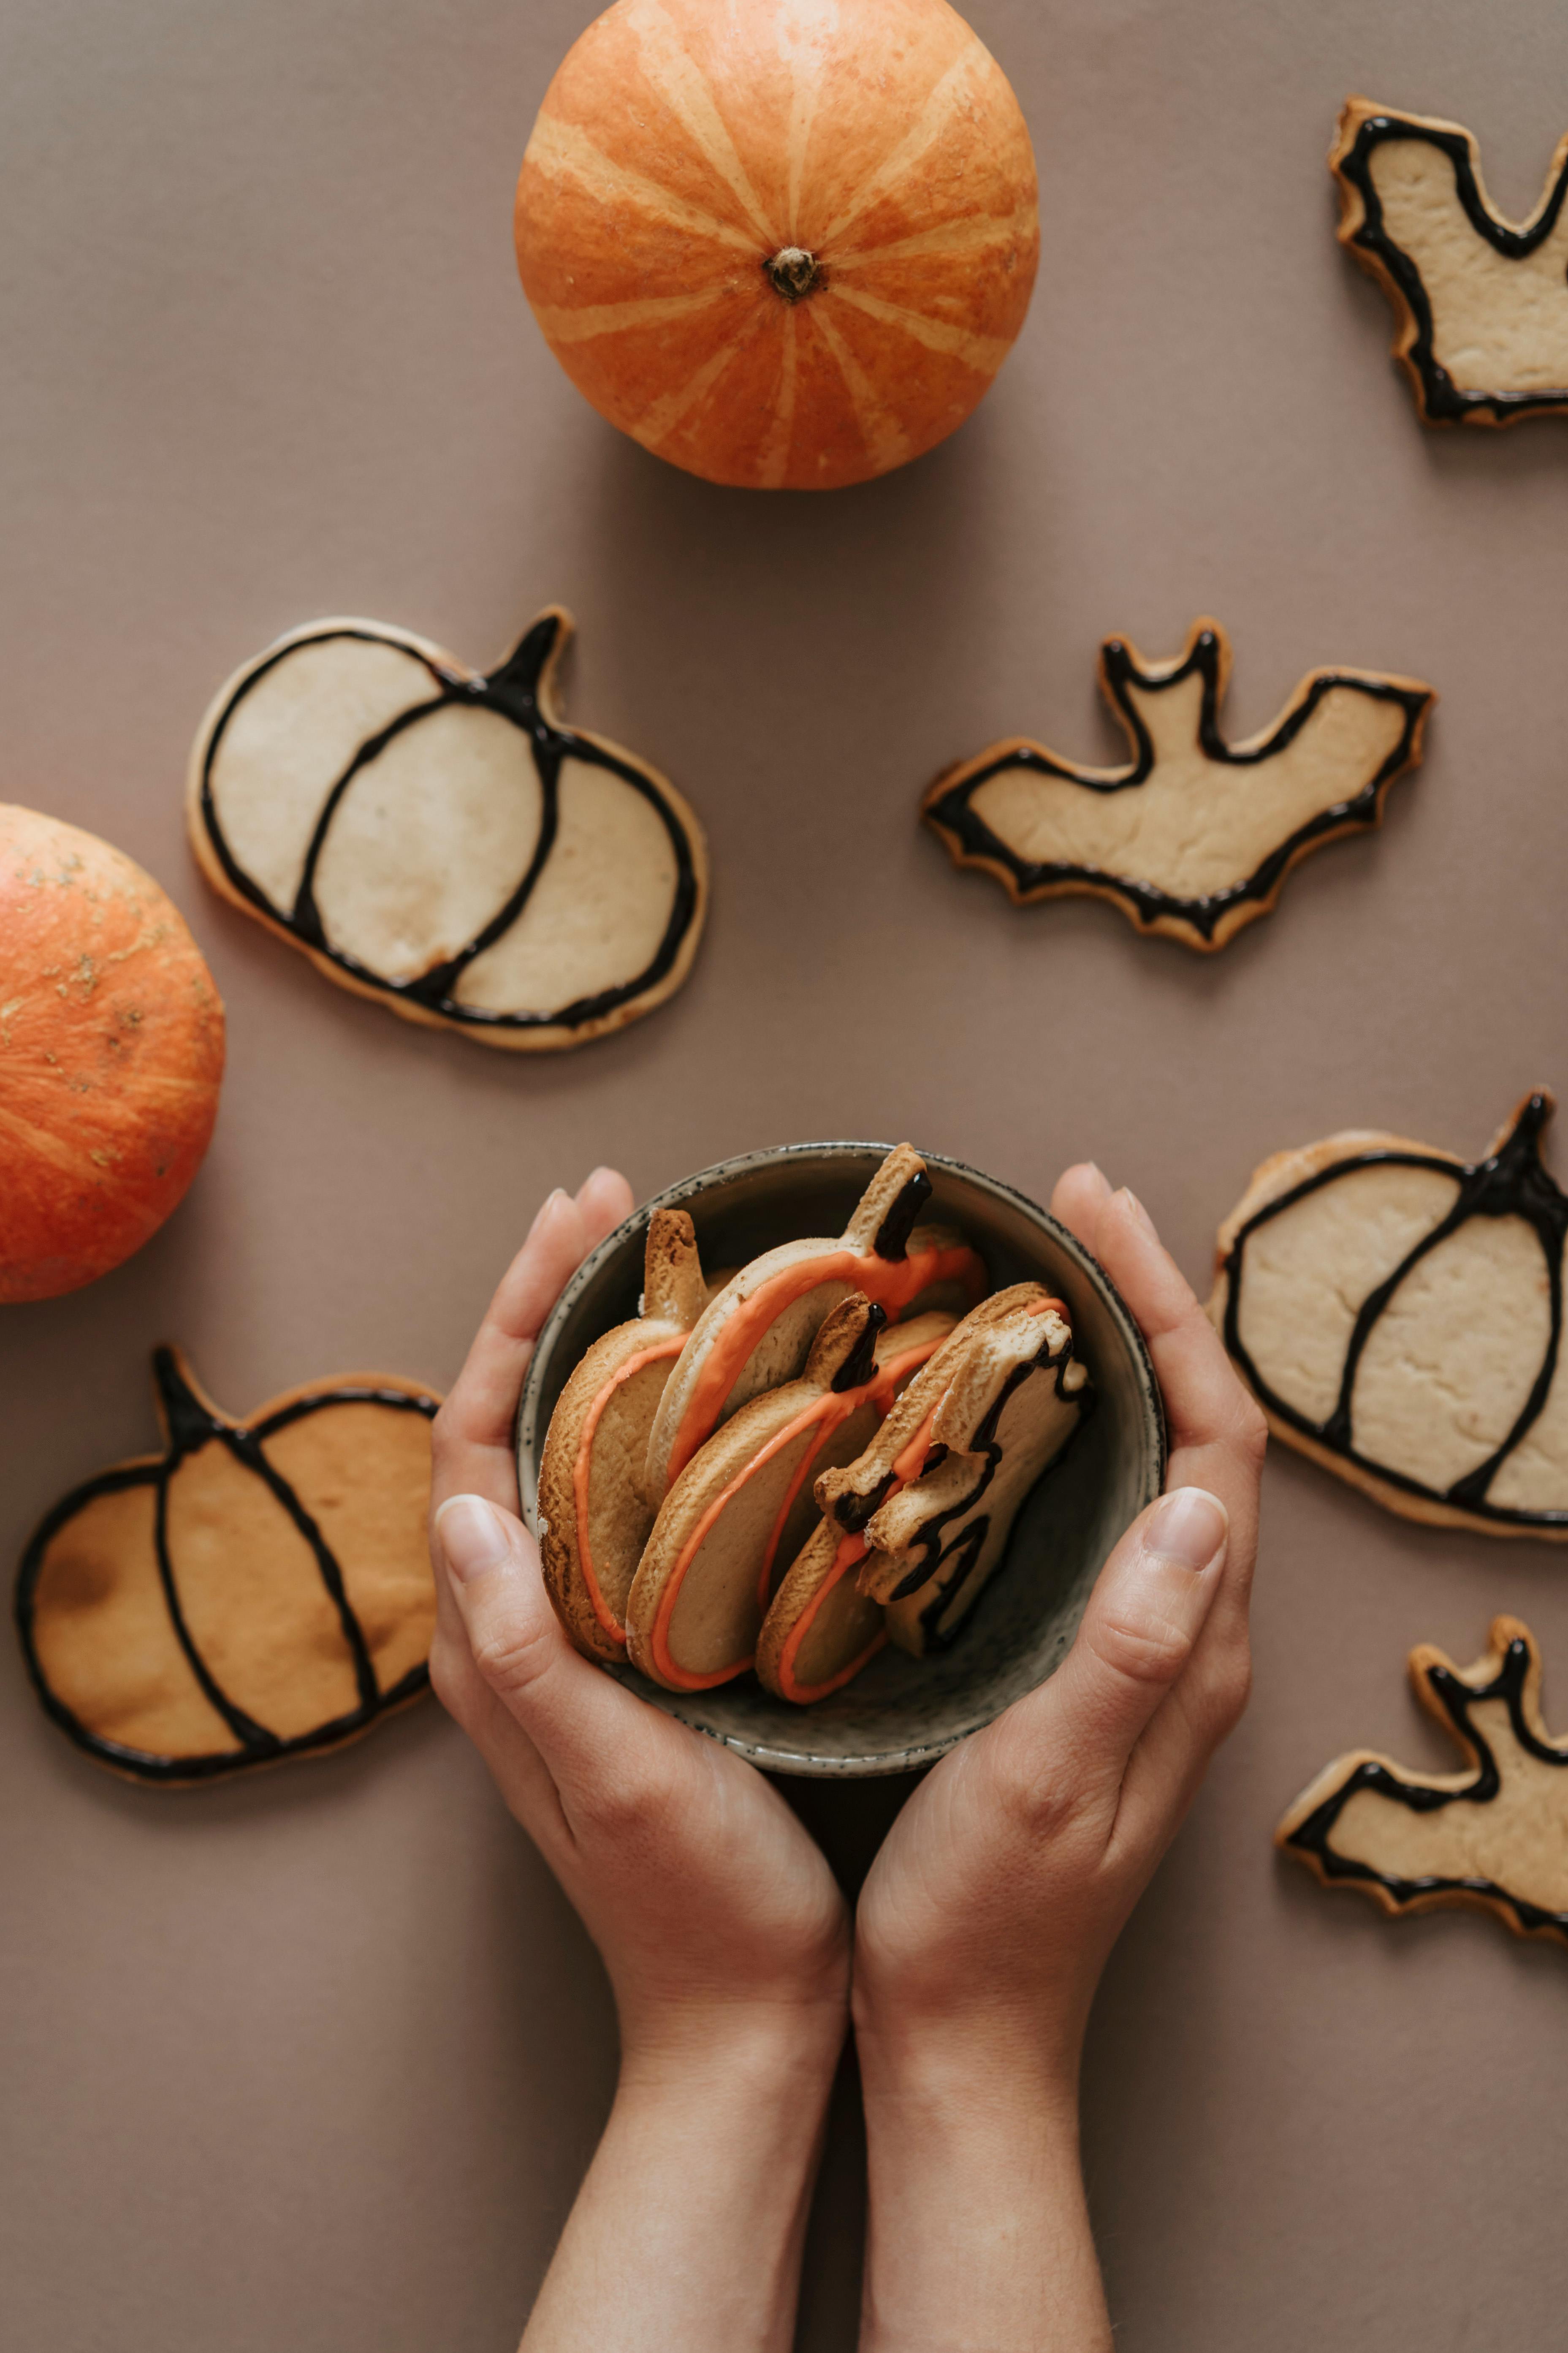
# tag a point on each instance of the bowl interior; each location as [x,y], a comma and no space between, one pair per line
[900,1712]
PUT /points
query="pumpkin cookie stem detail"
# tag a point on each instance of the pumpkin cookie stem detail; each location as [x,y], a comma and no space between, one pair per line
[352,790]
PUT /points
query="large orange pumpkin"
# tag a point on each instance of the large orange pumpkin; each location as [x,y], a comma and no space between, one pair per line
[783,243]
[111,1043]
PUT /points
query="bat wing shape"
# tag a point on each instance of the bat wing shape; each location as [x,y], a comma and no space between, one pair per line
[1481,302]
[1194,837]
[1399,1315]
[1494,1834]
[441,841]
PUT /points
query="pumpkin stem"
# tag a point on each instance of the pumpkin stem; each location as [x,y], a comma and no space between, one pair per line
[188,1419]
[794,273]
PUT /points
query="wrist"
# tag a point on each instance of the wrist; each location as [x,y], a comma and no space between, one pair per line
[763,2051]
[979,2233]
[994,2057]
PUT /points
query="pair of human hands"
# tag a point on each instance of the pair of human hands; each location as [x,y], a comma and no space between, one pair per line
[985,1920]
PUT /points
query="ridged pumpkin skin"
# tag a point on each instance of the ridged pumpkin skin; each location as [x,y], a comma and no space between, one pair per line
[111,1045]
[870,149]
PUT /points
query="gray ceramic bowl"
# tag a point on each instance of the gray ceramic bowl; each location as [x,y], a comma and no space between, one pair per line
[902,1712]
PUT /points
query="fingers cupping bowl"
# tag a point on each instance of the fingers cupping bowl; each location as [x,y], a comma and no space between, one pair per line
[825,1488]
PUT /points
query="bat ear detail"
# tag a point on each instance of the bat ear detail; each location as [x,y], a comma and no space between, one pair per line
[1481,329]
[1192,837]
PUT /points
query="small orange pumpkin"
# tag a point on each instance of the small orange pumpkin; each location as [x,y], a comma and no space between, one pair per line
[786,245]
[111,1046]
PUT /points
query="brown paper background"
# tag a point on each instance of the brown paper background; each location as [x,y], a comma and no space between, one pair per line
[317,2062]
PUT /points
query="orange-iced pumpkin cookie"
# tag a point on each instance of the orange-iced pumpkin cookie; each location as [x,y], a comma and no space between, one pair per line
[260,1590]
[594,1516]
[744,1502]
[759,1330]
[935,1494]
[821,1629]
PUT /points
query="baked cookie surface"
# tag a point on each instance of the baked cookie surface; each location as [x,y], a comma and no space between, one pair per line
[935,1494]
[259,1590]
[743,1505]
[595,1516]
[1194,837]
[1398,1314]
[441,841]
[1481,302]
[760,1328]
[1494,1834]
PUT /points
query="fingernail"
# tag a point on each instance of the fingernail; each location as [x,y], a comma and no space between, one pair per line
[1138,1211]
[545,1208]
[472,1537]
[1188,1529]
[1097,1173]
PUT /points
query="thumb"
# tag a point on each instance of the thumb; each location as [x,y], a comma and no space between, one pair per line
[1143,1619]
[518,1645]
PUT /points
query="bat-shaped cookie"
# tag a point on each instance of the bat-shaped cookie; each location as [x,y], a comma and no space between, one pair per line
[1193,836]
[744,1501]
[259,1591]
[594,1516]
[1495,1835]
[759,1329]
[1399,1315]
[442,841]
[936,1493]
[1481,302]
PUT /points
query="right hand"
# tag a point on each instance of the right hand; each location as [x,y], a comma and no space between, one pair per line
[989,1912]
[715,1914]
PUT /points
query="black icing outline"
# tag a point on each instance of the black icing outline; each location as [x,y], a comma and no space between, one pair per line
[1439,399]
[189,1424]
[967,1547]
[1512,1181]
[515,692]
[972,841]
[1456,1698]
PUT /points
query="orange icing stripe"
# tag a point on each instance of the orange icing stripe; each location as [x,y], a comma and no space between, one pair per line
[851,1551]
[909,1464]
[829,1408]
[892,1284]
[582,1469]
[680,1676]
[878,1392]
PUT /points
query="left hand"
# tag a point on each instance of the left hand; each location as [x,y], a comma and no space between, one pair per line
[1003,1884]
[714,1911]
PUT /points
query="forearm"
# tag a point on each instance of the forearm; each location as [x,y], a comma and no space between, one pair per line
[686,2234]
[978,2239]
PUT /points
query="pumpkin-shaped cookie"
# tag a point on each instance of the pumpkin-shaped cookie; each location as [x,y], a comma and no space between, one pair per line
[744,1502]
[594,1517]
[1399,1316]
[758,1331]
[441,841]
[259,1591]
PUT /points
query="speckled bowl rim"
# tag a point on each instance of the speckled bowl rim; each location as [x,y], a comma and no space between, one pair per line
[803,1762]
